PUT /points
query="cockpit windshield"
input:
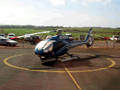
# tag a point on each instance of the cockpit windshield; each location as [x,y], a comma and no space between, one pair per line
[41,44]
[46,45]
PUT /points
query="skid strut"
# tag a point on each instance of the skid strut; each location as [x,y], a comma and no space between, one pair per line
[71,55]
[68,59]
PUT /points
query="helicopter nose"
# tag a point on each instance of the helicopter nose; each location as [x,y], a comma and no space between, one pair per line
[38,52]
[35,52]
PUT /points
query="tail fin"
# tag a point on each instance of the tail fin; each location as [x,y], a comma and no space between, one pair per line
[89,39]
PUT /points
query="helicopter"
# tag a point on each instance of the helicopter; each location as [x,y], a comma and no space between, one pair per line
[59,45]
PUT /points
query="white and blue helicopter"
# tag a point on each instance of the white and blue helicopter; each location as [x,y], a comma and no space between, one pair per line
[59,45]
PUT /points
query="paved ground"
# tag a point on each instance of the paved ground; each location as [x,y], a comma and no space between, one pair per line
[97,69]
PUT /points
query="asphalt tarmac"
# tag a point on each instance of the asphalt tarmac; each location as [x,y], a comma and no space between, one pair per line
[96,69]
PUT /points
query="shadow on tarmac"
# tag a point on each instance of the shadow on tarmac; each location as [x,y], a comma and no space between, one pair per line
[73,63]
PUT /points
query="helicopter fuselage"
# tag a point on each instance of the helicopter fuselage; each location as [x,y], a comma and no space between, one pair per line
[56,46]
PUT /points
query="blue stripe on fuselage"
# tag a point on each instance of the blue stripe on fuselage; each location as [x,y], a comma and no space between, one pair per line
[39,52]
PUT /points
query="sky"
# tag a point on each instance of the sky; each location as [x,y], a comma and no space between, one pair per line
[73,13]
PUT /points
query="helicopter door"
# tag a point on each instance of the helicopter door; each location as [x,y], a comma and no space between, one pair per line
[58,45]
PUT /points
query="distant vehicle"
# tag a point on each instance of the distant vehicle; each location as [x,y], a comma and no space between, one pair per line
[10,35]
[2,34]
[115,38]
[35,39]
[7,42]
[70,36]
[27,37]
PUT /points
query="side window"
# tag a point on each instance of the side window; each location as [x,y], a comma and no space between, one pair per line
[64,37]
[58,45]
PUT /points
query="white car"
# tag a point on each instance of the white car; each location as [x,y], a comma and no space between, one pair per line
[115,38]
[70,36]
[10,35]
[27,37]
[3,35]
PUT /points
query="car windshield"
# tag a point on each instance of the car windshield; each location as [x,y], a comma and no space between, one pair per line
[70,35]
[11,35]
[1,35]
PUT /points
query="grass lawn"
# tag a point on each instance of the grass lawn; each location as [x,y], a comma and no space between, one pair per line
[105,32]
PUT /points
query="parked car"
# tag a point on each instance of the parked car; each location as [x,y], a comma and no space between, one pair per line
[2,34]
[10,35]
[35,39]
[7,42]
[27,37]
[115,38]
[70,36]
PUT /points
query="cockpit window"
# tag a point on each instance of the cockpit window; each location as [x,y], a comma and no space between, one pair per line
[41,44]
[46,45]
[58,45]
[64,37]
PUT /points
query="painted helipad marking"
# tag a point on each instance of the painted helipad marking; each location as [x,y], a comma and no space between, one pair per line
[22,68]
[72,77]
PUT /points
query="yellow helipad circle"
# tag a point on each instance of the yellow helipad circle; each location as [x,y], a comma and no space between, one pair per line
[22,68]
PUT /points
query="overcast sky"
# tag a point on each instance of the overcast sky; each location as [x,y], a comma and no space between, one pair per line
[79,13]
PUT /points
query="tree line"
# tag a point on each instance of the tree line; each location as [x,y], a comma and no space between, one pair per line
[29,26]
[43,27]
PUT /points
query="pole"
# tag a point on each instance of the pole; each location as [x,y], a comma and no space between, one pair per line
[22,44]
[114,43]
[107,43]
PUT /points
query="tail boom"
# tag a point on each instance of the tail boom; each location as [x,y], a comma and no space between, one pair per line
[89,39]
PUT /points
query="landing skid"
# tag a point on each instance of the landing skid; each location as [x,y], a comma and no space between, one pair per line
[44,59]
[68,59]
